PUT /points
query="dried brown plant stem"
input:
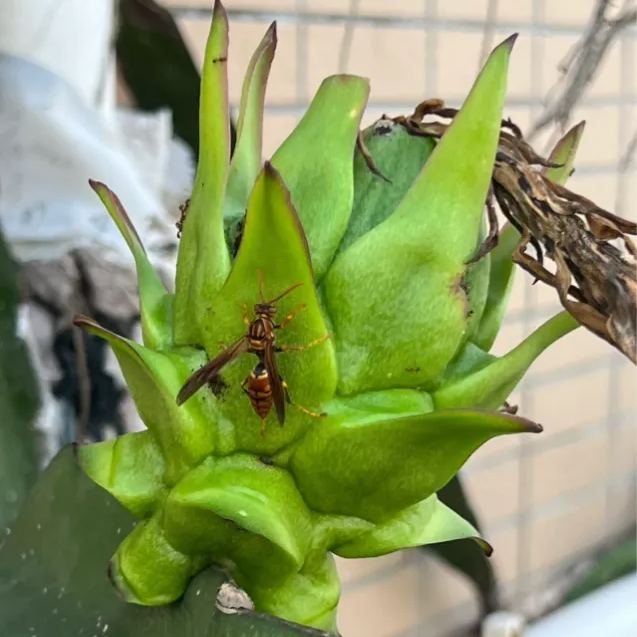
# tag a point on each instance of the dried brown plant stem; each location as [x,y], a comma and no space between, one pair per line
[580,66]
[595,279]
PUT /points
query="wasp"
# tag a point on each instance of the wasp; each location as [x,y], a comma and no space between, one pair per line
[264,386]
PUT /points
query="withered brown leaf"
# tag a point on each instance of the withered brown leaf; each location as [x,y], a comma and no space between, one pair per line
[596,280]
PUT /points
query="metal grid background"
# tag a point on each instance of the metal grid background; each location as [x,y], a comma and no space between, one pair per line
[528,589]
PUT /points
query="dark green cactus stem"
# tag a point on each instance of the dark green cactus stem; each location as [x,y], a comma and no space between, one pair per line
[18,398]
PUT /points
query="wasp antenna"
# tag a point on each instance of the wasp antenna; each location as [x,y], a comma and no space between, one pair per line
[292,287]
[260,283]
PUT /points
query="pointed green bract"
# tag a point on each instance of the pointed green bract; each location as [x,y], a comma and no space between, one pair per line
[273,244]
[154,378]
[499,290]
[475,284]
[451,189]
[203,262]
[379,466]
[370,406]
[131,467]
[315,162]
[426,522]
[467,361]
[469,556]
[246,159]
[269,522]
[155,302]
[402,402]
[398,156]
[489,386]
[564,153]
[408,272]
[334,530]
[308,597]
[411,340]
[147,570]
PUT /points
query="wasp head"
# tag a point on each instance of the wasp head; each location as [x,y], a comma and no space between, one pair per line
[265,309]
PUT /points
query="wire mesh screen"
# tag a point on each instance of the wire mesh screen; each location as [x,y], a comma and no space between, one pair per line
[546,503]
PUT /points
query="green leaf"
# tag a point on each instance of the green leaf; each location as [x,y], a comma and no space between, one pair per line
[499,290]
[564,153]
[246,159]
[130,467]
[155,302]
[399,157]
[490,385]
[315,162]
[273,244]
[54,579]
[184,434]
[203,261]
[374,466]
[19,400]
[395,295]
[426,522]
[466,556]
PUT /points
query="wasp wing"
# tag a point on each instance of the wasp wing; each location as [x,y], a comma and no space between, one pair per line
[278,392]
[211,369]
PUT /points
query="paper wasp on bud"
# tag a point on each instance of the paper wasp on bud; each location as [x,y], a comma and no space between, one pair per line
[264,386]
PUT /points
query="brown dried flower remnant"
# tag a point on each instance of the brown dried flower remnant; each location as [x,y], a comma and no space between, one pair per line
[596,281]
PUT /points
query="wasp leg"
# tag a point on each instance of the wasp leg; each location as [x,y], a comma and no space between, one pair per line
[246,316]
[305,410]
[300,348]
[290,316]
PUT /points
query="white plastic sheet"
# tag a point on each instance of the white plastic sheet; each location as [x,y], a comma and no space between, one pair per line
[52,142]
